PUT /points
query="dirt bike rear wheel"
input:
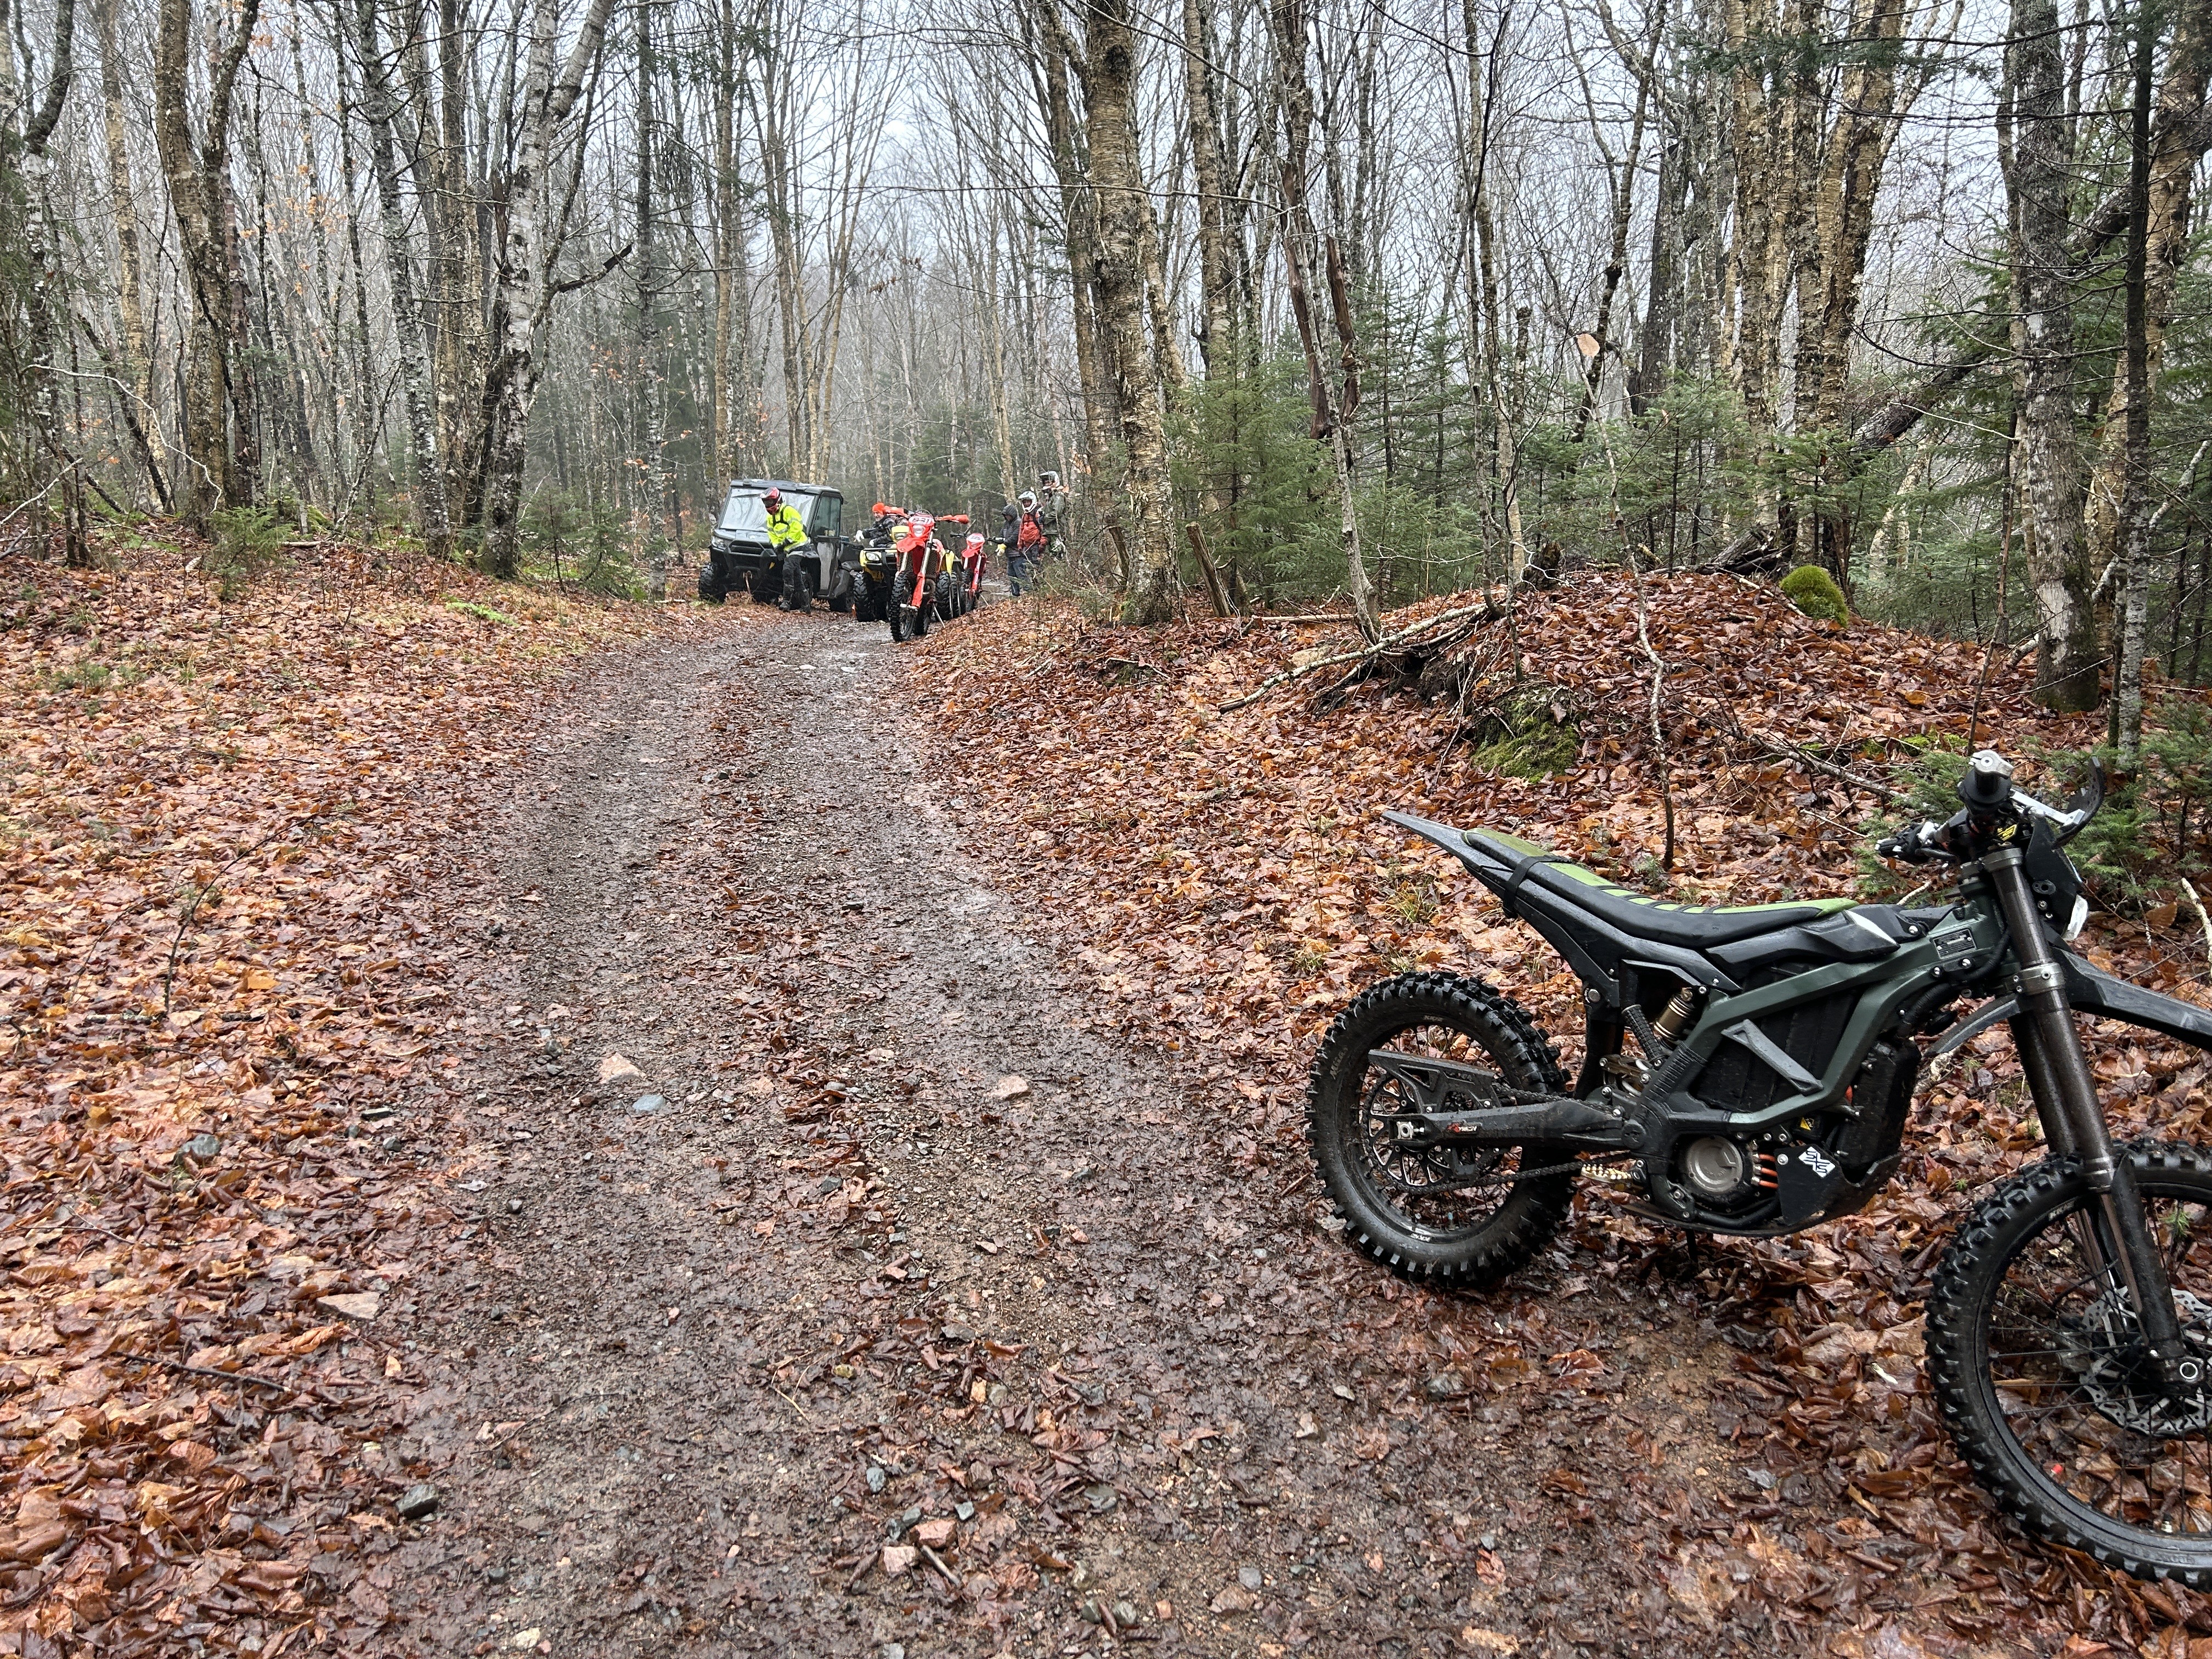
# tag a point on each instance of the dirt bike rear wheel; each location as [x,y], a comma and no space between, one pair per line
[1416,1212]
[2042,1380]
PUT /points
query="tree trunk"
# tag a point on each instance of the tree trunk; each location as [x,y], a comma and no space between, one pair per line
[455,269]
[790,278]
[1616,264]
[1167,347]
[2067,661]
[365,400]
[2135,504]
[1109,74]
[1218,345]
[130,277]
[733,287]
[1331,417]
[525,291]
[378,107]
[199,196]
[2172,172]
[656,527]
[1070,168]
[2180,133]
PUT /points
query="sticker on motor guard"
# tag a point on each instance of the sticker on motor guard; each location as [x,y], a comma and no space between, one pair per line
[1814,1159]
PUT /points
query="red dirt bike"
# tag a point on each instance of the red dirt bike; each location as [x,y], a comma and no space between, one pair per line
[970,575]
[915,587]
[949,584]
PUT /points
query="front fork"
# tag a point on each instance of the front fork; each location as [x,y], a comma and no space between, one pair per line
[2074,1122]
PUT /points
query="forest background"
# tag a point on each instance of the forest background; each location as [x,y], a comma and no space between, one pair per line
[1384,300]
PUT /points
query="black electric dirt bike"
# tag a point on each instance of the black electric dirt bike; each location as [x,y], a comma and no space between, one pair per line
[1747,1070]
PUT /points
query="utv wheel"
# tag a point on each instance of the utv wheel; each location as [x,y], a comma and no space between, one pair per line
[710,590]
[761,587]
[2044,1381]
[841,597]
[1409,1210]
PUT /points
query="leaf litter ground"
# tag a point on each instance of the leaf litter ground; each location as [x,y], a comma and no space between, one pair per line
[223,960]
[1225,881]
[942,1274]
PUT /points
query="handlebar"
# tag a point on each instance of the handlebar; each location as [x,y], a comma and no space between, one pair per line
[1990,797]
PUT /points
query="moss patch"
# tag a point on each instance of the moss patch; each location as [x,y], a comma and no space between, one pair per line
[1814,591]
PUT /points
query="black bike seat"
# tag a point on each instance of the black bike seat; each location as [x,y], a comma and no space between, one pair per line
[1558,884]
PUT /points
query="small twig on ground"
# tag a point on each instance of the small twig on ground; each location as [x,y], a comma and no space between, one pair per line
[1797,755]
[1658,730]
[184,923]
[859,1572]
[937,1561]
[180,1366]
[1382,646]
[2202,920]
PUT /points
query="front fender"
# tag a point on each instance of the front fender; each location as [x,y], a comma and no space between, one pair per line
[2093,991]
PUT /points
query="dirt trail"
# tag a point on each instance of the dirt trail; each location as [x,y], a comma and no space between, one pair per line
[690,1369]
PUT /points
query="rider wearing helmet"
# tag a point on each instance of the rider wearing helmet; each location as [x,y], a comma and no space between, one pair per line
[1025,537]
[786,535]
[1052,509]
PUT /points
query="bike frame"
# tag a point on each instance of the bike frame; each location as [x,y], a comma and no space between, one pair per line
[919,542]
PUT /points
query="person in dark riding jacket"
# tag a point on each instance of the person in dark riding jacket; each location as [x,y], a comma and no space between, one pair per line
[1052,510]
[1025,539]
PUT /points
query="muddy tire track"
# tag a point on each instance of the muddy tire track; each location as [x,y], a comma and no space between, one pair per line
[898,1306]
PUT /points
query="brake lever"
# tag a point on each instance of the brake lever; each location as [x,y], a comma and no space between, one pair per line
[2050,814]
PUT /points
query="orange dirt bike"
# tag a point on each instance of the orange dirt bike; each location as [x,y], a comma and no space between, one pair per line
[968,578]
[916,588]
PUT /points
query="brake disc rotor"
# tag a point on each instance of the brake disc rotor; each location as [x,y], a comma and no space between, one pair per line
[1404,1168]
[2105,1351]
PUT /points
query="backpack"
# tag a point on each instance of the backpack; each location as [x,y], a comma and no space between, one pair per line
[1032,533]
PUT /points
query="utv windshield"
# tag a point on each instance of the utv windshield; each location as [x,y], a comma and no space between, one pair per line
[743,515]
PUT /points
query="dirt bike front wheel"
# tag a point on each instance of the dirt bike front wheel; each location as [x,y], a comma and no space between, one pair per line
[2044,1377]
[1461,1215]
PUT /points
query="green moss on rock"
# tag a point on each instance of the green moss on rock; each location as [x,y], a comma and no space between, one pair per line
[1814,591]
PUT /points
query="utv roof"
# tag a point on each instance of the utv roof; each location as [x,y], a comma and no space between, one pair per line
[786,483]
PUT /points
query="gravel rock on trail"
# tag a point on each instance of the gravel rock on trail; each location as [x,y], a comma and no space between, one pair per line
[828,1279]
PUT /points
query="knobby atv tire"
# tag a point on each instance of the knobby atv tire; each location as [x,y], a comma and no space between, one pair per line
[1959,1307]
[1503,1241]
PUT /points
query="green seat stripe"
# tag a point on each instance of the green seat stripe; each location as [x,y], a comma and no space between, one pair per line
[1591,879]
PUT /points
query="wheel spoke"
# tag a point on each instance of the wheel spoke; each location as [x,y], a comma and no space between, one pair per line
[2072,1381]
[1400,1175]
